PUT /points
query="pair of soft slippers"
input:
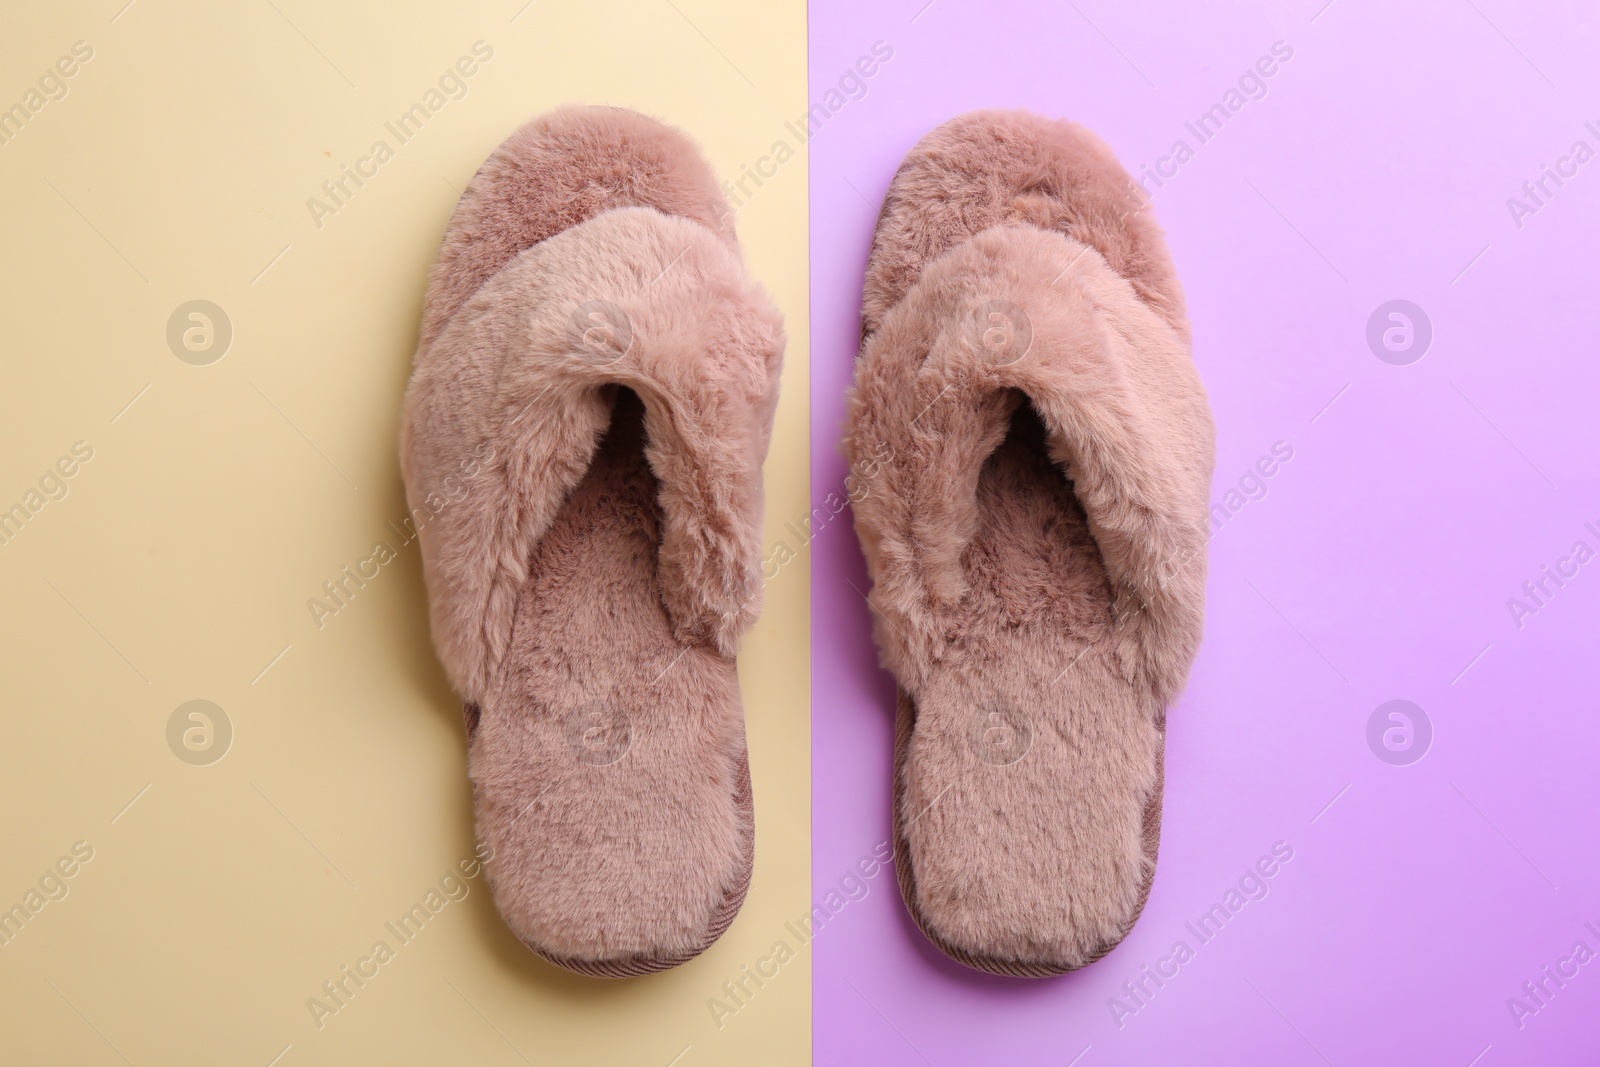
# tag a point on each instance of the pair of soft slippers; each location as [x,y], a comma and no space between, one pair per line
[1030,451]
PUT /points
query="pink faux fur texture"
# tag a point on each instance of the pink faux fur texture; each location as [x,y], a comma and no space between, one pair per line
[591,403]
[1032,452]
[557,171]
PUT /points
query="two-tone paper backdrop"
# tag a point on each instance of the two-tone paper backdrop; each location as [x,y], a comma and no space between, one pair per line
[176,164]
[1411,495]
[183,507]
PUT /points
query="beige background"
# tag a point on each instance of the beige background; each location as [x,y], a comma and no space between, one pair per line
[219,498]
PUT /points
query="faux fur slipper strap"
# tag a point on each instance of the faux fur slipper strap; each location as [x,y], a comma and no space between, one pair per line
[1020,312]
[516,388]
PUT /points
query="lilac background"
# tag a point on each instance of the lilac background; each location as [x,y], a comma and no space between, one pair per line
[1378,566]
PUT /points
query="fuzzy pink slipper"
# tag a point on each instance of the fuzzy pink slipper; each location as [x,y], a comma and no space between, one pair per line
[1031,451]
[584,431]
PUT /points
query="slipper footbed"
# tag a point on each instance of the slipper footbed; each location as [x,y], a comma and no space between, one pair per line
[1029,769]
[635,849]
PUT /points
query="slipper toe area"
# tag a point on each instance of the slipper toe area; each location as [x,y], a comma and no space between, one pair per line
[1013,168]
[555,172]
